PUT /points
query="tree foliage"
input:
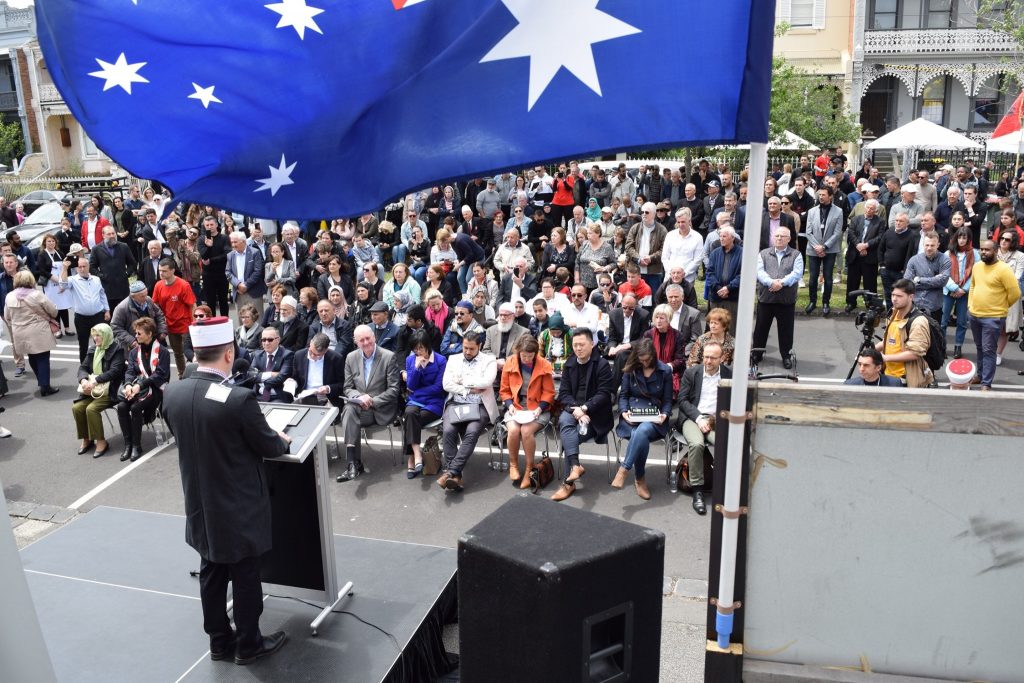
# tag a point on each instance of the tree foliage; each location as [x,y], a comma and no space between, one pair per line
[809,106]
[12,142]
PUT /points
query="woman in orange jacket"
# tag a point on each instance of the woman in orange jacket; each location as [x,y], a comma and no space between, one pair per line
[527,390]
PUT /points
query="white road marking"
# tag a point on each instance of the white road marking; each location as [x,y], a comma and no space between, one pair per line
[120,473]
[112,585]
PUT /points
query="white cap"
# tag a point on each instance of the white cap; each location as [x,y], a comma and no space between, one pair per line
[211,332]
[508,307]
[909,187]
[290,301]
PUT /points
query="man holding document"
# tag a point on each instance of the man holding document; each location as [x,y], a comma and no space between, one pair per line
[318,374]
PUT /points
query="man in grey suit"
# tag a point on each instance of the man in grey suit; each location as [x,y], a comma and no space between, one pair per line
[824,237]
[244,270]
[373,382]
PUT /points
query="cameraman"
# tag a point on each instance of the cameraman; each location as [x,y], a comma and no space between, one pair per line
[904,345]
[869,367]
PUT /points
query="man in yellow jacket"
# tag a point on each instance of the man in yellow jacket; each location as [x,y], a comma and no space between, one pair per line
[993,290]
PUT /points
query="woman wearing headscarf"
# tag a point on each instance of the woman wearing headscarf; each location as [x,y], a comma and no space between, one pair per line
[401,303]
[30,319]
[149,369]
[359,313]
[556,341]
[593,211]
[102,368]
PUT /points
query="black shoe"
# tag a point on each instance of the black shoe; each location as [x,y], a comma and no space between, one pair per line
[126,454]
[787,363]
[698,503]
[228,652]
[271,644]
[810,308]
[138,452]
[48,391]
[351,473]
[826,310]
[958,352]
[99,453]
[849,308]
[86,448]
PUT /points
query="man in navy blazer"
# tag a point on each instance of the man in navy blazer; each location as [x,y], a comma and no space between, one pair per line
[244,270]
[271,365]
[385,331]
[320,369]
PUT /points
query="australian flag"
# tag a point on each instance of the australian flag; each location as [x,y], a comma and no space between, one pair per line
[323,108]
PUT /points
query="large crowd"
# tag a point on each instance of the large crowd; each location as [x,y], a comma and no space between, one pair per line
[561,302]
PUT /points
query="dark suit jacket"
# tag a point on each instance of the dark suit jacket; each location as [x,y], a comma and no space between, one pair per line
[527,291]
[146,273]
[252,271]
[480,229]
[342,332]
[858,232]
[217,254]
[387,337]
[600,385]
[616,325]
[334,374]
[282,365]
[689,390]
[295,337]
[221,447]
[113,269]
[785,221]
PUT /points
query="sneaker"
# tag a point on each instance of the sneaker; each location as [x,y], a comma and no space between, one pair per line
[4,432]
[803,285]
[999,361]
[19,372]
[837,280]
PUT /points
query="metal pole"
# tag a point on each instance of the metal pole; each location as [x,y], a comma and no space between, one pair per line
[738,398]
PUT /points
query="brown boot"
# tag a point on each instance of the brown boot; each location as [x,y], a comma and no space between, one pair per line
[620,478]
[641,489]
[513,473]
[525,483]
[563,492]
[442,481]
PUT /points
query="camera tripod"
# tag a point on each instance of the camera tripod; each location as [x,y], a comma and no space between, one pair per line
[867,343]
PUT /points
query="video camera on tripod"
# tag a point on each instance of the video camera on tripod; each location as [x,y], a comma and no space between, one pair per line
[867,321]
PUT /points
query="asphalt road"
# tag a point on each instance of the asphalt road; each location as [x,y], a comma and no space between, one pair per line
[39,464]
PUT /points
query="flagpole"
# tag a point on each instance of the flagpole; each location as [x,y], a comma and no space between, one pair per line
[738,396]
[1020,142]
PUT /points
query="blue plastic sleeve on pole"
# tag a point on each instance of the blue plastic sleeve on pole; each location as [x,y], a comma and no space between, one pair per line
[723,624]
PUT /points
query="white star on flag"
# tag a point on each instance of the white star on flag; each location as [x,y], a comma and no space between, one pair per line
[204,95]
[297,14]
[279,177]
[120,73]
[542,36]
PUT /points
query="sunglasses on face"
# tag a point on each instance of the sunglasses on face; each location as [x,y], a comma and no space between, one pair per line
[200,316]
[267,340]
[577,296]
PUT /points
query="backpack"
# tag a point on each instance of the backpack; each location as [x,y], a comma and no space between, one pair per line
[935,356]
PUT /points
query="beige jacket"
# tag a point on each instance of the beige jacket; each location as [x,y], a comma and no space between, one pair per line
[28,320]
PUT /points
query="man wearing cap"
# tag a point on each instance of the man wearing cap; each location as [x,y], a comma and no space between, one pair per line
[372,388]
[607,222]
[384,331]
[869,371]
[712,202]
[908,205]
[244,270]
[501,338]
[488,201]
[960,373]
[462,324]
[294,332]
[222,439]
[176,299]
[137,305]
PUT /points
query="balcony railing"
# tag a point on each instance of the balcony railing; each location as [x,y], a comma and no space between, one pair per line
[48,94]
[8,101]
[964,41]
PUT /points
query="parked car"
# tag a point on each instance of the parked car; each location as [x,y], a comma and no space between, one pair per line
[33,200]
[43,220]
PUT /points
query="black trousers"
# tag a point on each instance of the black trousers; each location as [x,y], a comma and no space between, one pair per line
[247,593]
[860,275]
[412,426]
[783,315]
[131,416]
[215,294]
[83,324]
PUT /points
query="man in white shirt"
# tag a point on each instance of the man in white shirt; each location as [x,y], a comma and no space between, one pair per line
[684,247]
[469,381]
[554,300]
[580,312]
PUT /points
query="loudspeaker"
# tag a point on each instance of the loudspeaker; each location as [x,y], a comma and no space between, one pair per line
[551,593]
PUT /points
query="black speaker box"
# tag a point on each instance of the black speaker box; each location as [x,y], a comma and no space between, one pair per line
[551,593]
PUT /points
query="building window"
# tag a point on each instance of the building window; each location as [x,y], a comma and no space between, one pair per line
[991,103]
[89,148]
[801,13]
[939,14]
[884,15]
[933,101]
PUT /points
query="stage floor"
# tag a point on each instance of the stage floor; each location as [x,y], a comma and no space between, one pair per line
[116,603]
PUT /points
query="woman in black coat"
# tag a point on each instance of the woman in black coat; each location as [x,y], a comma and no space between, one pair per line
[149,369]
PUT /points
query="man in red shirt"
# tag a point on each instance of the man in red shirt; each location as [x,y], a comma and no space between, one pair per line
[175,298]
[636,286]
